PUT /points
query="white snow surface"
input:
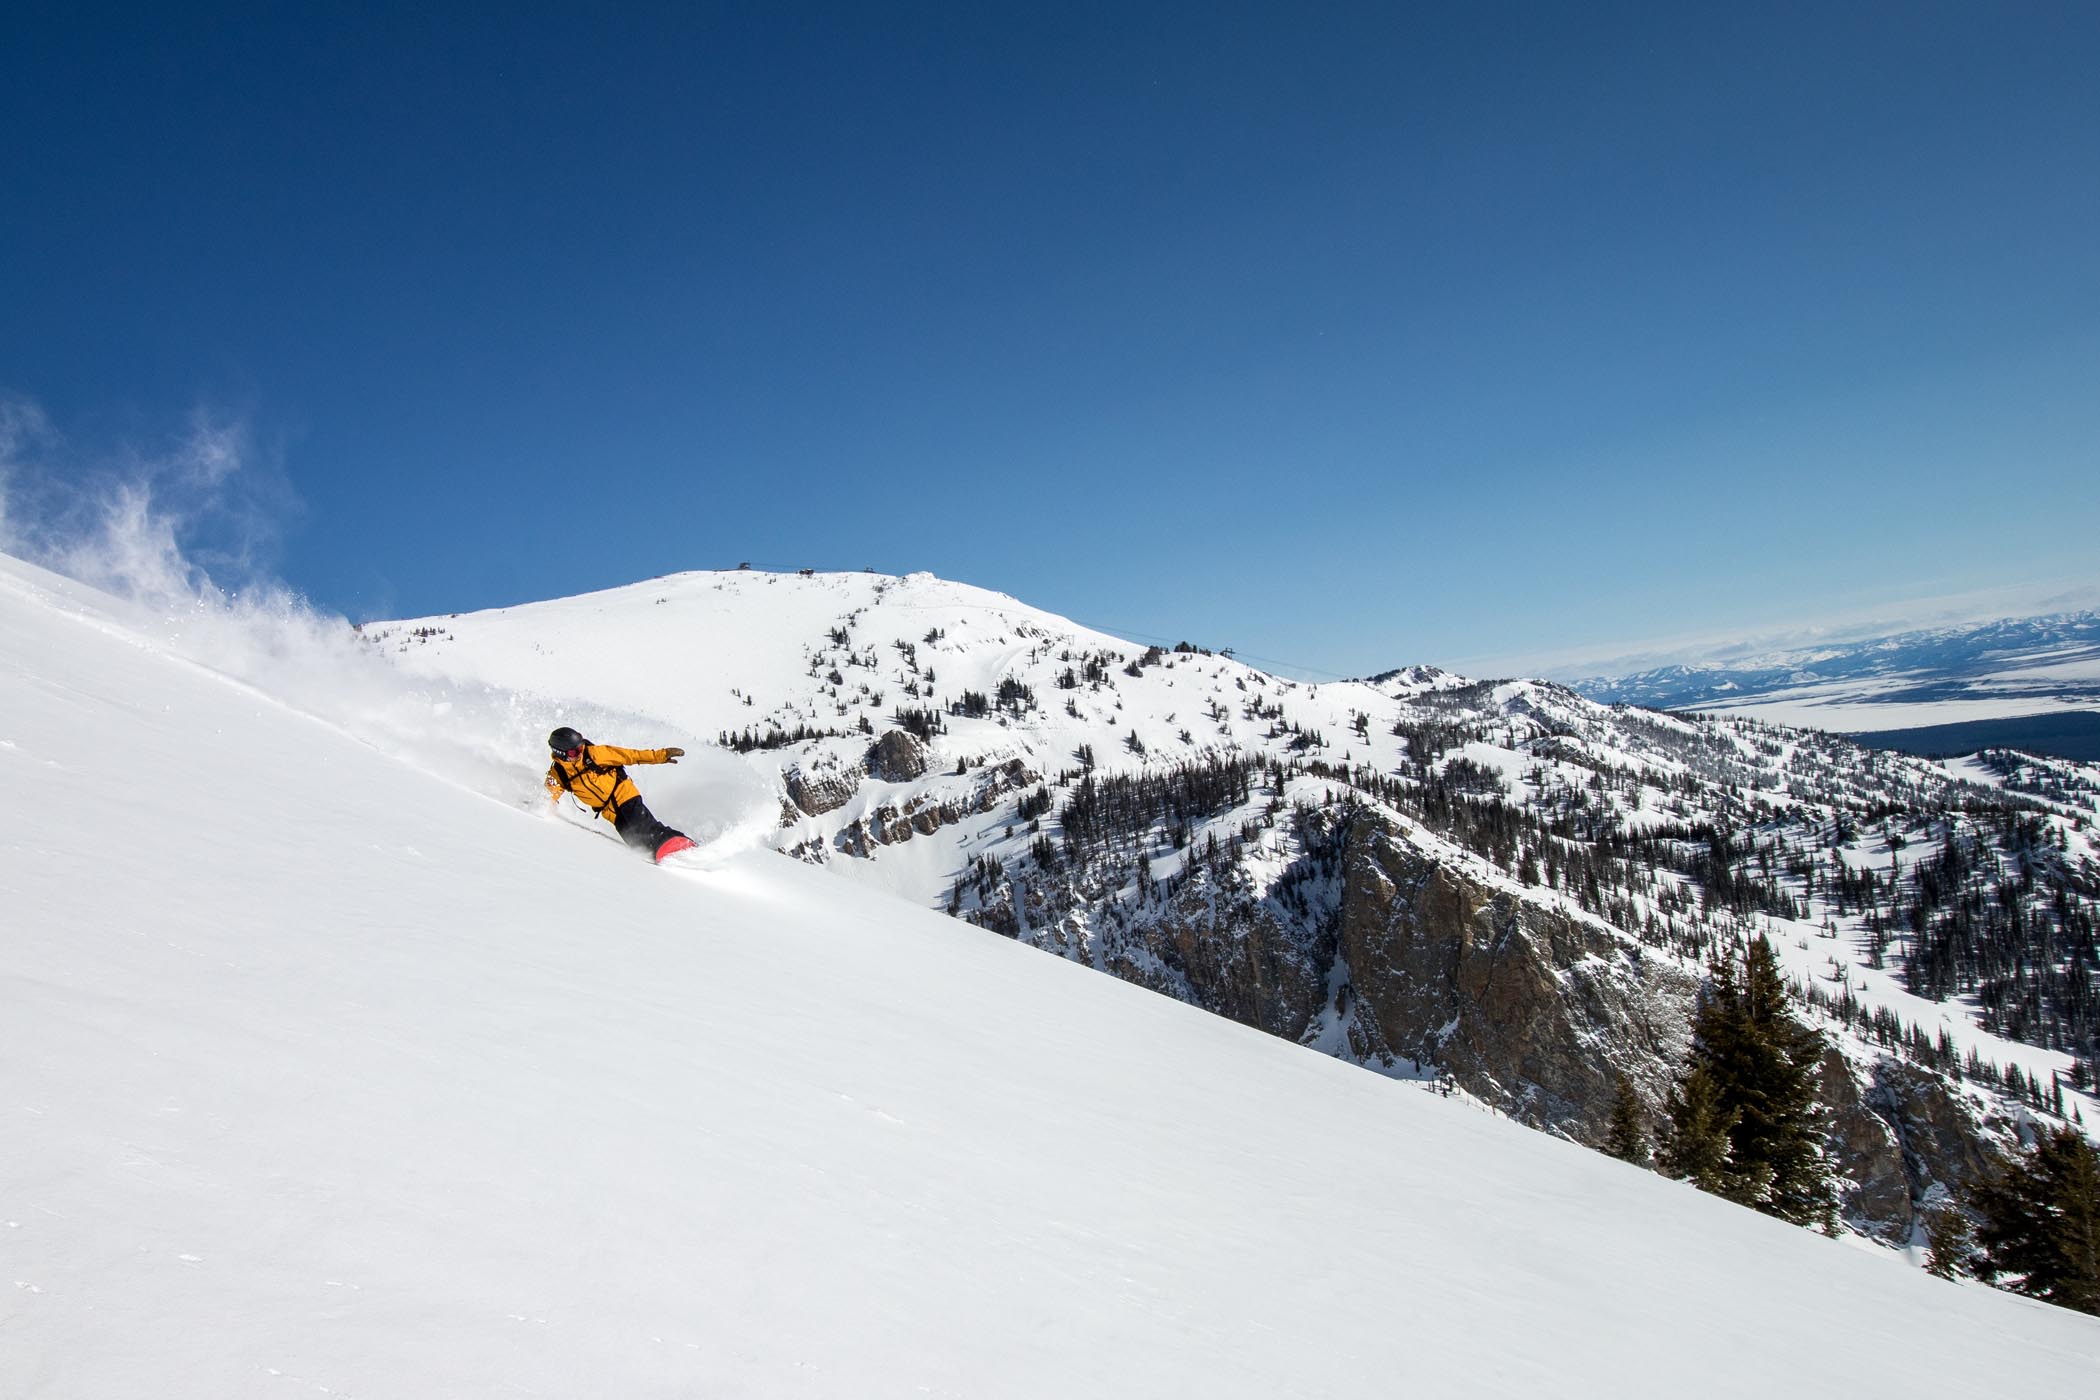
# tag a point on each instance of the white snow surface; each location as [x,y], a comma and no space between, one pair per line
[330,1068]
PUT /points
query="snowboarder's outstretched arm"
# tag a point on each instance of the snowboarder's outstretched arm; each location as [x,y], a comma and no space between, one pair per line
[606,756]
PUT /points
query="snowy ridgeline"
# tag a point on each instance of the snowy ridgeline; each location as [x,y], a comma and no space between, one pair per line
[335,1067]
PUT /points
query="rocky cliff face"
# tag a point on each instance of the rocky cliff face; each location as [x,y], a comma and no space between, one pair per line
[1524,1007]
[1234,955]
[825,785]
[821,785]
[1216,941]
[827,782]
[897,757]
[1904,1140]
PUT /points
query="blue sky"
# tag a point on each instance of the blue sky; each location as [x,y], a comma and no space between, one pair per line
[1348,335]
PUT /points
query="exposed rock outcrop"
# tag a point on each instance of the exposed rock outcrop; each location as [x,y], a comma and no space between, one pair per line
[1237,958]
[1874,1185]
[887,825]
[897,757]
[927,813]
[1526,1008]
[1904,1138]
[821,786]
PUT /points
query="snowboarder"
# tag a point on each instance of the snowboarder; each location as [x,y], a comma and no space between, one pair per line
[596,776]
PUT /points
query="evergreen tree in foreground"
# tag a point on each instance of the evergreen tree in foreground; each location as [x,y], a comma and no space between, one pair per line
[1745,1122]
[2041,1222]
[1625,1137]
[1695,1148]
[1950,1249]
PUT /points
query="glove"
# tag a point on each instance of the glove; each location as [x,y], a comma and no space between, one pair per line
[673,755]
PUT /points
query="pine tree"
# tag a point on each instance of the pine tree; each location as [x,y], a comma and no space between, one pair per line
[1783,1123]
[1625,1136]
[2042,1221]
[1753,1069]
[1950,1247]
[1695,1148]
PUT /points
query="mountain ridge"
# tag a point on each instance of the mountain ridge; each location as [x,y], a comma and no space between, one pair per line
[1192,824]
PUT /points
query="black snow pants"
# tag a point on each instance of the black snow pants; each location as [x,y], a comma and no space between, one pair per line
[639,828]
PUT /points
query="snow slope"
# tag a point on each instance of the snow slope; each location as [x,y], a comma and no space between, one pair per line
[328,1074]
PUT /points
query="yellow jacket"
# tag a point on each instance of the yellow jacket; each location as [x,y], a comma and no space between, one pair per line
[598,779]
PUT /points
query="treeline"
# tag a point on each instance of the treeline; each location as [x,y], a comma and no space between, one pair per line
[921,723]
[1885,1029]
[1119,806]
[1010,697]
[751,739]
[2009,923]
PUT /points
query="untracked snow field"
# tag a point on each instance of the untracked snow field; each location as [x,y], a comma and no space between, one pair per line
[322,1072]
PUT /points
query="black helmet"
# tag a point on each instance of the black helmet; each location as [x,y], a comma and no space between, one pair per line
[564,739]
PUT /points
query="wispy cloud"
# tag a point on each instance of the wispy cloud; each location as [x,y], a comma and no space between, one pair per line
[213,450]
[200,509]
[24,432]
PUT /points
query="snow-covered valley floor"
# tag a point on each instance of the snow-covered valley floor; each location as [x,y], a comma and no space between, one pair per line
[322,1073]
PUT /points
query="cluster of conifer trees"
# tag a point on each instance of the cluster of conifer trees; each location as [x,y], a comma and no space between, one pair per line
[772,737]
[2041,1225]
[1103,808]
[1745,1121]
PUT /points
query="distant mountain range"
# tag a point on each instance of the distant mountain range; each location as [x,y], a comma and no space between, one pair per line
[1960,683]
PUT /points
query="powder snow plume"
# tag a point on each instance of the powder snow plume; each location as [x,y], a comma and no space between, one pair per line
[179,538]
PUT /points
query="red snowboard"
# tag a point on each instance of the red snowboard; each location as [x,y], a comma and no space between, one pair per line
[673,846]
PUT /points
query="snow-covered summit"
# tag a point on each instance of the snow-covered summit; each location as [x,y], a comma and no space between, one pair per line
[702,646]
